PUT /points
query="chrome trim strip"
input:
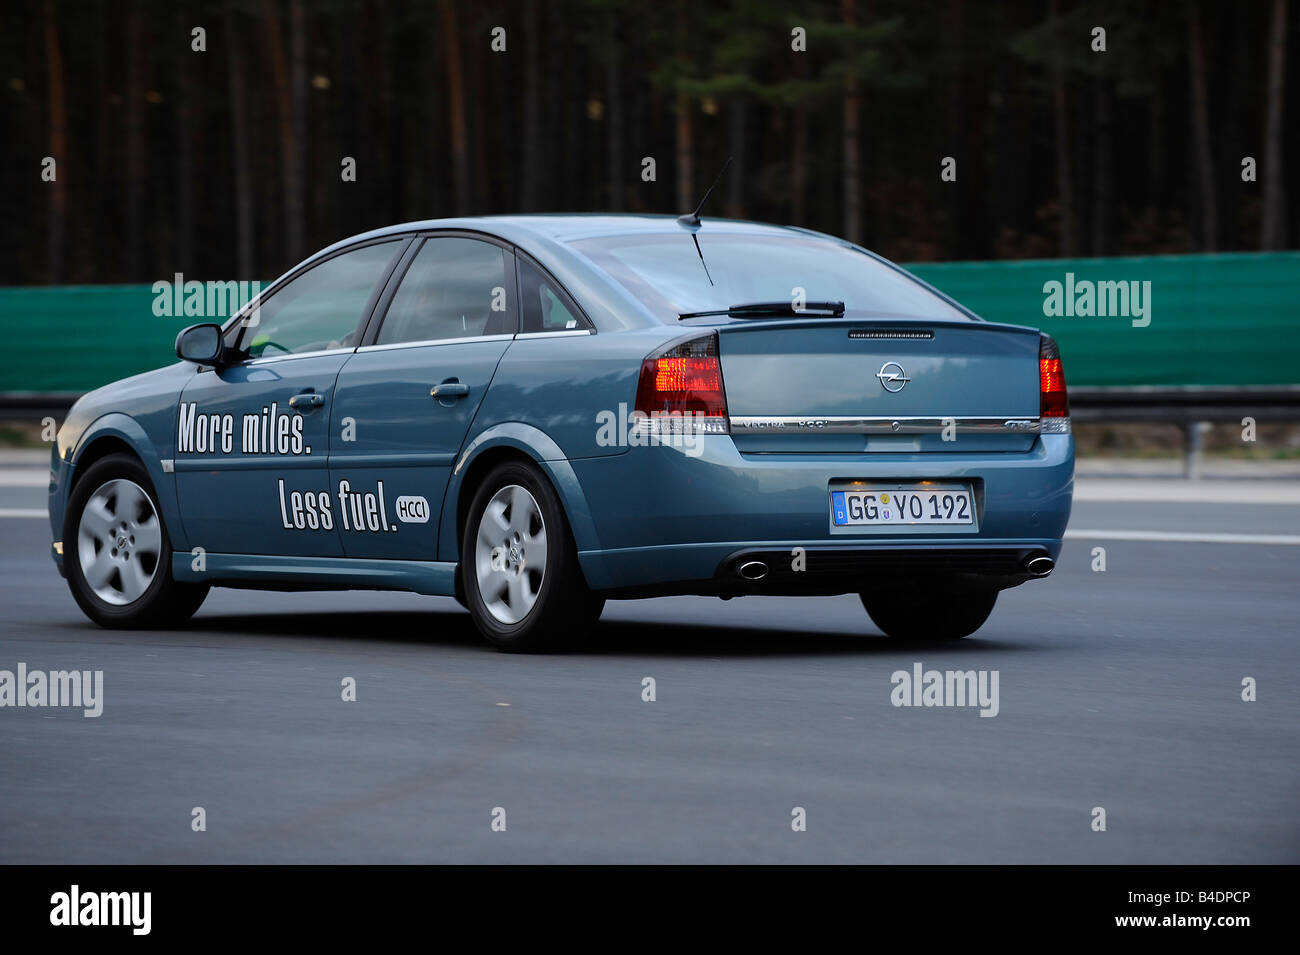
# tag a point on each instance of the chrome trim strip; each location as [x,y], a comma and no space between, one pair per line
[562,333]
[268,359]
[389,346]
[879,424]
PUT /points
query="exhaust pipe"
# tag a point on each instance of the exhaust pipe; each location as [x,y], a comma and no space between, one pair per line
[1040,566]
[752,570]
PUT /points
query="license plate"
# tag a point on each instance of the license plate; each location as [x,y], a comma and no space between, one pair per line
[902,505]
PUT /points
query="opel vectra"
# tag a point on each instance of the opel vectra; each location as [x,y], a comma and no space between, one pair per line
[536,414]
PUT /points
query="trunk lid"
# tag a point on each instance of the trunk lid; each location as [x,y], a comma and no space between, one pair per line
[853,385]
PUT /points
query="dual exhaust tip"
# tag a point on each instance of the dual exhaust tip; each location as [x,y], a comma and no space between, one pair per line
[1039,566]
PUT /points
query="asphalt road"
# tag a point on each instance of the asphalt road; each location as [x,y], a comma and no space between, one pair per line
[1118,689]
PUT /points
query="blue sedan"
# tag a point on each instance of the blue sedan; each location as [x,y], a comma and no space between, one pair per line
[535,414]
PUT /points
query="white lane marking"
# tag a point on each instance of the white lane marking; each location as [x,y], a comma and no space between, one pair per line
[1178,490]
[25,477]
[1185,537]
[24,512]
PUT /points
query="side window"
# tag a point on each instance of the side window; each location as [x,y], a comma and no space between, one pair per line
[545,308]
[455,288]
[320,309]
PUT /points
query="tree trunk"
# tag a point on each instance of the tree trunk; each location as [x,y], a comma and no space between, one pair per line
[1102,176]
[456,104]
[852,108]
[798,167]
[685,134]
[614,112]
[958,106]
[385,136]
[279,72]
[1208,202]
[351,119]
[106,213]
[298,90]
[184,149]
[58,147]
[798,153]
[532,94]
[482,200]
[239,140]
[738,116]
[1273,222]
[136,160]
[1060,113]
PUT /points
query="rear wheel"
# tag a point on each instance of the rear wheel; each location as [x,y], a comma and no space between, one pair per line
[519,566]
[117,555]
[929,614]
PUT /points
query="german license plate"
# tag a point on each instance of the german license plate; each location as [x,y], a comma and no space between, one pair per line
[902,504]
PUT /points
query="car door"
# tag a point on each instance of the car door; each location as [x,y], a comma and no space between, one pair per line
[253,437]
[406,399]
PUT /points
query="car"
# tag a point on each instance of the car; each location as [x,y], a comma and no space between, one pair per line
[538,413]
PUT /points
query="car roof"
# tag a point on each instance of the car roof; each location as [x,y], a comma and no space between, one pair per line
[570,227]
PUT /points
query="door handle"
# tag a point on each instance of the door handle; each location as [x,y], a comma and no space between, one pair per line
[449,389]
[308,400]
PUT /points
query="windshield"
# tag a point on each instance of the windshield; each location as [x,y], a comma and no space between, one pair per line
[665,272]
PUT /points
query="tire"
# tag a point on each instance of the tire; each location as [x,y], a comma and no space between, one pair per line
[120,579]
[521,607]
[921,614]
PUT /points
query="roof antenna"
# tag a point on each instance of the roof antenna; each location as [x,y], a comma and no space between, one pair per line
[692,219]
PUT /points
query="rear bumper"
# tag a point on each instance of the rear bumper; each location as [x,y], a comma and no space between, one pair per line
[847,569]
[667,518]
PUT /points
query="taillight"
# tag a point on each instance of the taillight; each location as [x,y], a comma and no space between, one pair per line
[1053,403]
[680,390]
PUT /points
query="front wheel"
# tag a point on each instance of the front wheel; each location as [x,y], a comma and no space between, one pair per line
[923,614]
[117,555]
[519,566]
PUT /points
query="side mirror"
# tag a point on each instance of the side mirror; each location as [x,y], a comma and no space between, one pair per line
[200,344]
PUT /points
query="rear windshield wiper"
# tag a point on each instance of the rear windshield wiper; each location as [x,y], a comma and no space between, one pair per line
[774,309]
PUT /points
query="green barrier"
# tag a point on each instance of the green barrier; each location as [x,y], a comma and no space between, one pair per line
[1231,319]
[75,338]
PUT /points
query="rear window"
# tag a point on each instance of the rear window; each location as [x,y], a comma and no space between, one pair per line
[666,273]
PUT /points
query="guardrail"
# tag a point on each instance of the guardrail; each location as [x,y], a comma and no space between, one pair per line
[1195,408]
[31,407]
[1181,405]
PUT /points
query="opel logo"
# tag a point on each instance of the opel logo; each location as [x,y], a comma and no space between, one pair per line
[892,376]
